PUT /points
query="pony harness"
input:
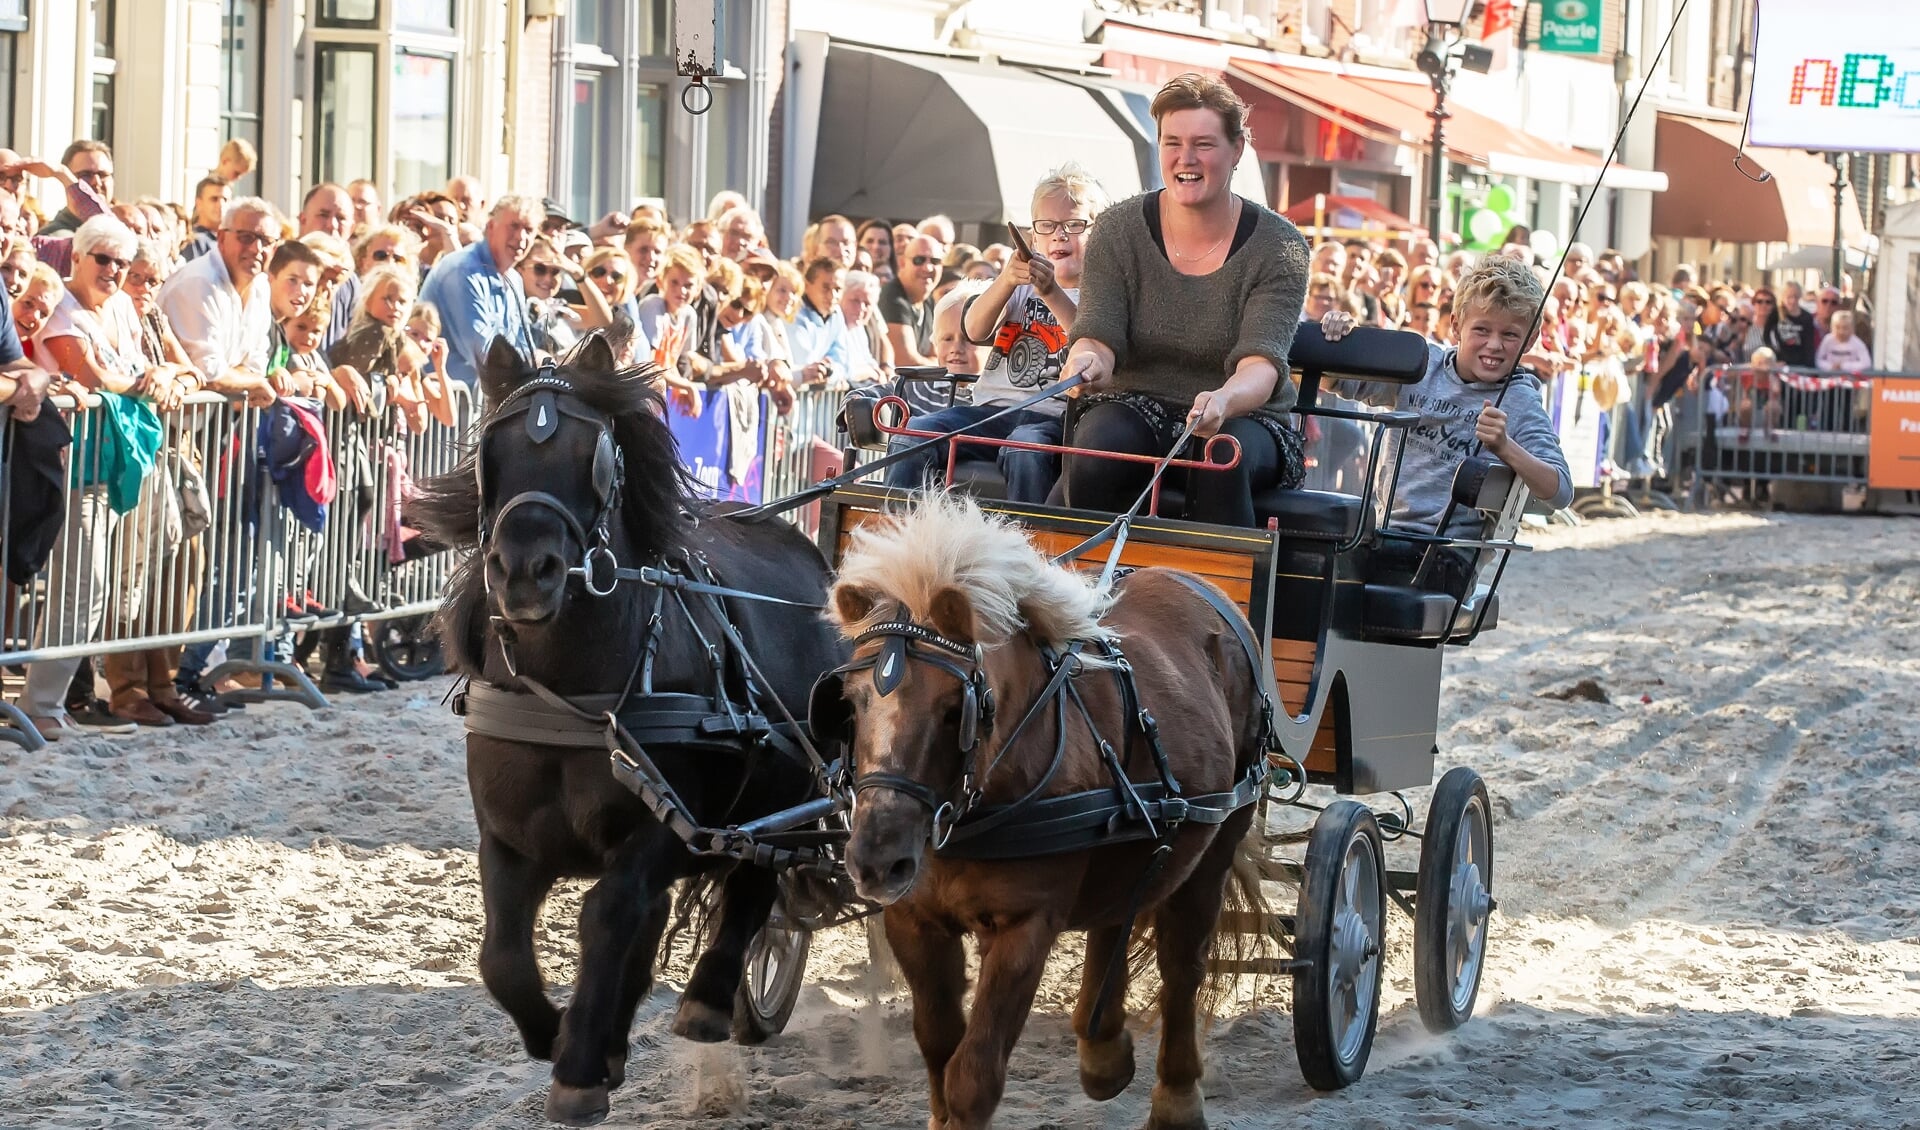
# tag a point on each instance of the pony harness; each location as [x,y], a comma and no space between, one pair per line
[1036,824]
[625,723]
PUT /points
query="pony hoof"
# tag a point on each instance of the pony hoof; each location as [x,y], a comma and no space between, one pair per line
[702,1023]
[1177,1110]
[577,1106]
[1106,1068]
[616,1069]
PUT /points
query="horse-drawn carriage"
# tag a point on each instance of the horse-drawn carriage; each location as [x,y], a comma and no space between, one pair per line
[1349,662]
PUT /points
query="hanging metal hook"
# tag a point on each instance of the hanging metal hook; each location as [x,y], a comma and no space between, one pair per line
[704,101]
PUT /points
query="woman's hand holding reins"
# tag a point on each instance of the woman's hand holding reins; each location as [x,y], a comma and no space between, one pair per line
[1092,363]
[1209,413]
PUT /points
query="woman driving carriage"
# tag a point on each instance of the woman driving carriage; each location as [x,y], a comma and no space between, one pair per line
[1185,288]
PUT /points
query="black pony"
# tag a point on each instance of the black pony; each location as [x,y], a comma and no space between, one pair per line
[514,610]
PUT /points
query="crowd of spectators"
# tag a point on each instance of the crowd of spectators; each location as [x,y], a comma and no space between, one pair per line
[132,306]
[364,306]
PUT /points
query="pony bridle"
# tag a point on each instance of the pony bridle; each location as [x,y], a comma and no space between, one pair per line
[904,641]
[543,400]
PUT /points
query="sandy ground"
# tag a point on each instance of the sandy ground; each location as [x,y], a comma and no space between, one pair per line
[1708,896]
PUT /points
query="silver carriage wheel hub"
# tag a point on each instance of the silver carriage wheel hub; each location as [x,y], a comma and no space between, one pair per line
[769,965]
[1354,949]
[1468,905]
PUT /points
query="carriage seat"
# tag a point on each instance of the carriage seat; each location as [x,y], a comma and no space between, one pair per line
[1365,354]
[1319,514]
[1402,612]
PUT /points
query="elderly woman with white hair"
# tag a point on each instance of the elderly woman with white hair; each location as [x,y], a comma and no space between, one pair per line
[94,338]
[94,335]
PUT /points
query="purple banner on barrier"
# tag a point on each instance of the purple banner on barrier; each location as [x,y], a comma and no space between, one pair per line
[724,461]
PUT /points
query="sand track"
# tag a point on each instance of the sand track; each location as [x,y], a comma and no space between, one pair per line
[1709,902]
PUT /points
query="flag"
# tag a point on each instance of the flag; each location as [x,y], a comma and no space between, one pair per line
[1499,17]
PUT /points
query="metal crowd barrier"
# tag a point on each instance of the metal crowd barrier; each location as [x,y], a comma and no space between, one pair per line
[198,550]
[1756,426]
[803,447]
[358,567]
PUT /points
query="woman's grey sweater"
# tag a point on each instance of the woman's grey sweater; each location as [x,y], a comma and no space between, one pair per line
[1176,335]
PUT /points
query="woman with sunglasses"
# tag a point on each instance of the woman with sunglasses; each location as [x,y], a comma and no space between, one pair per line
[94,339]
[1189,300]
[141,683]
[557,324]
[1787,330]
[384,244]
[609,271]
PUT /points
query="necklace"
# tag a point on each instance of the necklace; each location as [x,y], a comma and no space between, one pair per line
[1216,243]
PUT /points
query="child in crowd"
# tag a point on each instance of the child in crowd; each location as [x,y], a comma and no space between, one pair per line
[1842,351]
[376,343]
[1025,315]
[423,328]
[667,323]
[1494,309]
[950,344]
[306,372]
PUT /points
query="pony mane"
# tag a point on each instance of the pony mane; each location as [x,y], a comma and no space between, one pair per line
[656,496]
[946,541]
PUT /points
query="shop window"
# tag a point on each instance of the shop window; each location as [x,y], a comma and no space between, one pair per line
[590,114]
[344,100]
[349,13]
[386,102]
[422,121]
[424,15]
[105,68]
[9,54]
[13,21]
[650,143]
[655,31]
[242,24]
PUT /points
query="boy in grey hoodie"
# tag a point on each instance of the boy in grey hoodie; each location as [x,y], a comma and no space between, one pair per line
[1494,311]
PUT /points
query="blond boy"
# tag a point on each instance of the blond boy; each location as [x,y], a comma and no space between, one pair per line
[1494,311]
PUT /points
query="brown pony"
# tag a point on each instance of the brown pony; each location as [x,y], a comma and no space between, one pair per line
[976,611]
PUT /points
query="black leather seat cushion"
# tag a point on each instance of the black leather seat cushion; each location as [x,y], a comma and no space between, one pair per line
[1311,513]
[1302,513]
[1401,612]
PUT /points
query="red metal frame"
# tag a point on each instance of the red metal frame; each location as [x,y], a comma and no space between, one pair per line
[1229,445]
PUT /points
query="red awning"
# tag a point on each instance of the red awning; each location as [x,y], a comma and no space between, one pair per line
[1714,199]
[1398,113]
[1351,211]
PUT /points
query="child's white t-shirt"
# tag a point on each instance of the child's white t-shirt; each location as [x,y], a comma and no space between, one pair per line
[1849,356]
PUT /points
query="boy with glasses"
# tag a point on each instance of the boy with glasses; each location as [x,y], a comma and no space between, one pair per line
[1025,314]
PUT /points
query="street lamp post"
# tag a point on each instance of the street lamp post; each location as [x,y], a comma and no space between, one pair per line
[1436,61]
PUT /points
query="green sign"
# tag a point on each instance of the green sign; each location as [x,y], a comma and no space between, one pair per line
[1572,26]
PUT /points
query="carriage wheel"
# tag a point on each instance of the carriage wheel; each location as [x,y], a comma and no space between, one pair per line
[406,648]
[1453,900]
[770,985]
[1341,930]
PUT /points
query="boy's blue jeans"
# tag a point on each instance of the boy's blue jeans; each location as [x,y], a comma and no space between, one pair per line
[1029,474]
